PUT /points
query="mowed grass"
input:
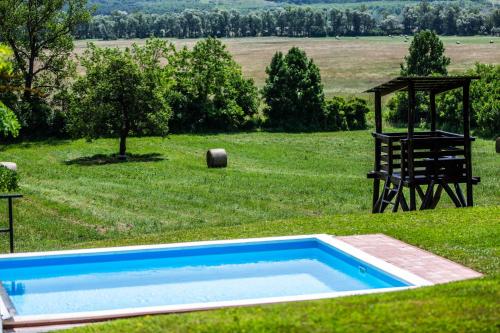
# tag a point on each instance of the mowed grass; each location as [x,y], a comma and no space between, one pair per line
[348,66]
[168,188]
[276,184]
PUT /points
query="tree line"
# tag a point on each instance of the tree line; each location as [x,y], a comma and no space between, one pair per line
[294,22]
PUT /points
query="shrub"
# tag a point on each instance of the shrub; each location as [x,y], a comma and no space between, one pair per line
[8,180]
[345,115]
[485,105]
[398,108]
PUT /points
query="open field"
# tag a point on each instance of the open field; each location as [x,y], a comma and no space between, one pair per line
[349,65]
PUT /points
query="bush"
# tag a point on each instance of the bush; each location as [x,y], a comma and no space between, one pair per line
[8,180]
[485,105]
[342,115]
[398,108]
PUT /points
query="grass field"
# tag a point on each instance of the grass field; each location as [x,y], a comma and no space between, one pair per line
[74,194]
[77,196]
[349,65]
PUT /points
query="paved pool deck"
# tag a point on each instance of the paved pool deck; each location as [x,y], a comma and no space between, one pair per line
[425,264]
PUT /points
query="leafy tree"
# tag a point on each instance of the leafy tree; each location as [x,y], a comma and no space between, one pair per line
[484,96]
[211,92]
[8,120]
[123,92]
[40,35]
[293,92]
[426,56]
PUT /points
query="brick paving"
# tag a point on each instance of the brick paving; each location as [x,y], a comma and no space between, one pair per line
[422,263]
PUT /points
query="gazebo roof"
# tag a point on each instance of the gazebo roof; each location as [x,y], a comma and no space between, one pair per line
[434,84]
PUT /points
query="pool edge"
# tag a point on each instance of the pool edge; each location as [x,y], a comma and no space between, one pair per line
[13,321]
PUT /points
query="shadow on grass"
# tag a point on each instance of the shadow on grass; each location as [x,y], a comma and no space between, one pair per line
[102,159]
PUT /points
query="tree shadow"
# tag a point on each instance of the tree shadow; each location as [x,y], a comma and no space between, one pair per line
[103,159]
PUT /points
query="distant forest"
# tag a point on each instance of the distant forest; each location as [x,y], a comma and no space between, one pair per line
[296,21]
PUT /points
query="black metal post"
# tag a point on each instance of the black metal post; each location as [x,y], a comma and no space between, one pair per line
[11,226]
[10,229]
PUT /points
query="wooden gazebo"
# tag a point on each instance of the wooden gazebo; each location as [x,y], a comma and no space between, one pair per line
[426,163]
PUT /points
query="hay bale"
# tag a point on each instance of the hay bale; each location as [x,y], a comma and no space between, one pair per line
[9,165]
[216,158]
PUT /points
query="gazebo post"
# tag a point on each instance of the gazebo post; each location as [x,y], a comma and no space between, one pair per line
[411,124]
[378,147]
[432,98]
[467,146]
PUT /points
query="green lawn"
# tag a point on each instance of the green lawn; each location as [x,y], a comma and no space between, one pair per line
[276,184]
[169,189]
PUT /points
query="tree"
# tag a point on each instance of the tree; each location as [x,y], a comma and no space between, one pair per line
[8,120]
[40,36]
[122,92]
[211,92]
[293,92]
[426,56]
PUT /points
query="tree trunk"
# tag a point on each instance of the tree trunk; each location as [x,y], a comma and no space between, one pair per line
[123,145]
[28,79]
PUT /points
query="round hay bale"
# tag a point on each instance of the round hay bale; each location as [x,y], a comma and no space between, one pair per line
[498,145]
[9,165]
[217,158]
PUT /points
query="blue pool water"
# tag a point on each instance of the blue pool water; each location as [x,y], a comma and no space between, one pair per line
[156,277]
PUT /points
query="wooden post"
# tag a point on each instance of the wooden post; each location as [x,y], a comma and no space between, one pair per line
[432,97]
[467,143]
[378,147]
[378,112]
[411,124]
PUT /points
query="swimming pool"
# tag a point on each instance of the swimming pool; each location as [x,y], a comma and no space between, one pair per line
[97,284]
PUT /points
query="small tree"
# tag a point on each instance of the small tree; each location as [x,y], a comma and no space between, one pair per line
[293,92]
[39,33]
[426,56]
[122,92]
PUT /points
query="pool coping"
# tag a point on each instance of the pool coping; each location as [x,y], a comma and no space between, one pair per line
[12,320]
